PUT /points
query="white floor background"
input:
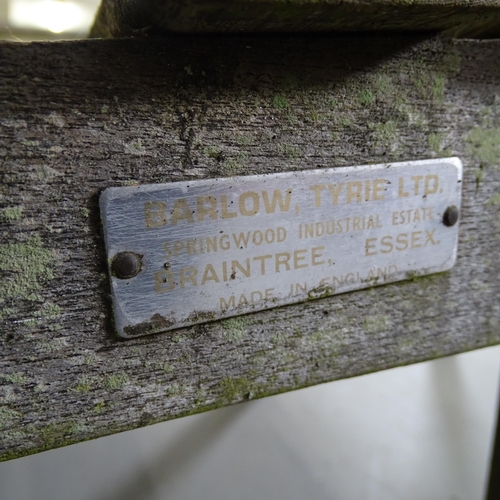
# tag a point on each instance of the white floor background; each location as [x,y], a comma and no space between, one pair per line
[419,432]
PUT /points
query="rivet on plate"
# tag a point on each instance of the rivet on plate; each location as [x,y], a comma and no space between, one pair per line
[126,265]
[450,216]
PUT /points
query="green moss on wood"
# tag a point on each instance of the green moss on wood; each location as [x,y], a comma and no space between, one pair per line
[174,390]
[214,152]
[50,310]
[25,267]
[8,417]
[287,150]
[234,328]
[479,176]
[232,165]
[280,102]
[233,389]
[494,200]
[484,144]
[167,368]
[385,134]
[136,147]
[366,97]
[437,87]
[15,378]
[99,407]
[376,324]
[116,381]
[383,86]
[84,383]
[11,214]
[435,143]
[45,173]
[58,434]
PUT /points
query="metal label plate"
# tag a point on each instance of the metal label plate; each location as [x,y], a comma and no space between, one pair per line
[189,252]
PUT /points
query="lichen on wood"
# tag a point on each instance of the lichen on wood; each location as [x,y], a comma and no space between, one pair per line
[127,112]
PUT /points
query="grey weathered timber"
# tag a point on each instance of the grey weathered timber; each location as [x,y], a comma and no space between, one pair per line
[459,17]
[77,117]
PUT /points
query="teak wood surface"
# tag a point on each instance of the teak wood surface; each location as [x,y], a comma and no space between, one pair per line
[459,18]
[77,117]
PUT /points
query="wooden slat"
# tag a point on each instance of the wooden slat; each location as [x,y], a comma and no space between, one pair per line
[77,117]
[459,17]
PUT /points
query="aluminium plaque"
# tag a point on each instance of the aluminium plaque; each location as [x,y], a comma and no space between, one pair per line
[189,252]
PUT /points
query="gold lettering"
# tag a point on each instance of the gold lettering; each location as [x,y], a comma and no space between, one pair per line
[416,179]
[241,239]
[154,213]
[401,192]
[281,234]
[224,242]
[378,189]
[386,241]
[164,281]
[236,266]
[254,197]
[402,239]
[428,189]
[297,258]
[369,246]
[354,189]
[211,243]
[188,274]
[182,211]
[316,254]
[415,238]
[269,236]
[317,188]
[209,275]
[168,251]
[225,209]
[335,190]
[257,237]
[231,303]
[367,190]
[309,231]
[191,246]
[178,247]
[429,235]
[203,210]
[277,199]
[282,259]
[262,259]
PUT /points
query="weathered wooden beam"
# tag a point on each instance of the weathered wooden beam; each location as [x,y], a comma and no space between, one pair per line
[77,117]
[459,17]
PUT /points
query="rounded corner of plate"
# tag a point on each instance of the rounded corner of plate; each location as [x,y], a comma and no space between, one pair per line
[104,198]
[122,335]
[451,261]
[457,163]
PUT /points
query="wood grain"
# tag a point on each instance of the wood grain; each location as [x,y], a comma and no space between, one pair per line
[480,18]
[77,117]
